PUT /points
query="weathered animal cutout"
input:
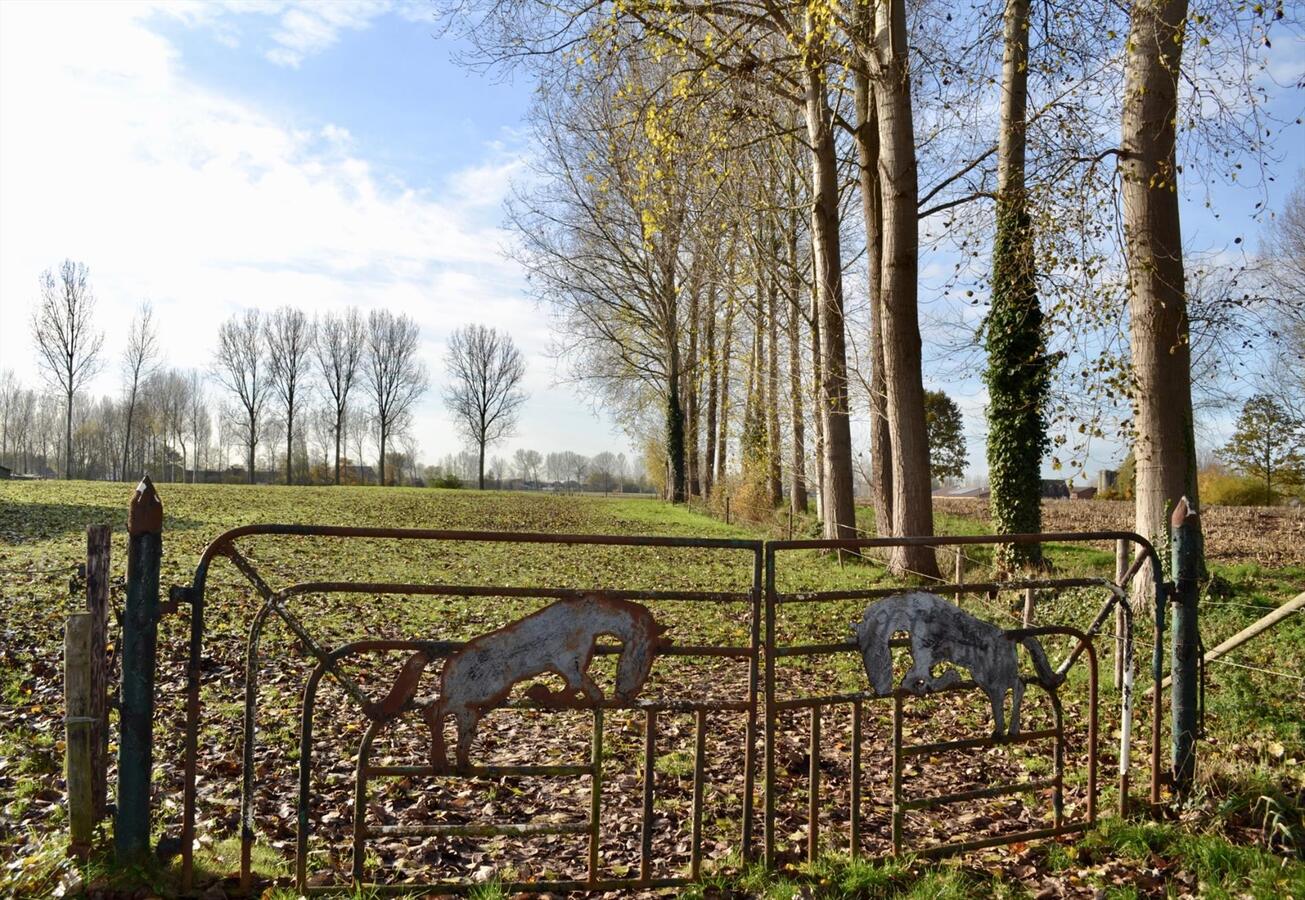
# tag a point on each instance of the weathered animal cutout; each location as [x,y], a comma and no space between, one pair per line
[558,639]
[943,632]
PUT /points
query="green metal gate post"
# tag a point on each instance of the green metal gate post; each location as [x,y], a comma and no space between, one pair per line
[1186,539]
[139,645]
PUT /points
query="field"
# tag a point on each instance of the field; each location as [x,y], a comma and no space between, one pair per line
[1241,834]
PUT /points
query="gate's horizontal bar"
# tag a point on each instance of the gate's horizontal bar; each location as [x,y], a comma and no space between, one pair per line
[1024,737]
[502,537]
[492,590]
[513,829]
[476,771]
[976,587]
[997,840]
[950,540]
[826,649]
[1000,790]
[808,702]
[510,887]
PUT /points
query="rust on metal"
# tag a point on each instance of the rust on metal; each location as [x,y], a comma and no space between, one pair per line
[559,639]
[943,632]
[562,638]
[145,515]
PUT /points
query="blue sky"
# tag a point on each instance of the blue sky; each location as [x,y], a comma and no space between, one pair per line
[209,157]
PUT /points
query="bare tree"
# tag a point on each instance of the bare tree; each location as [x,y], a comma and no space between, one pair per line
[484,393]
[339,349]
[394,376]
[67,344]
[289,336]
[527,464]
[138,362]
[241,366]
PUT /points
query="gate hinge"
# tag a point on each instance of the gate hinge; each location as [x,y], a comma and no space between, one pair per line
[178,594]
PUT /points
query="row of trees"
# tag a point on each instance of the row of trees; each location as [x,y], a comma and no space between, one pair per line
[709,173]
[283,376]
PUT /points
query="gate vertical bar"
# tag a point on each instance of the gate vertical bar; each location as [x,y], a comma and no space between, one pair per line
[750,735]
[1121,569]
[813,787]
[649,759]
[854,848]
[139,645]
[898,812]
[769,811]
[596,793]
[699,779]
[1186,642]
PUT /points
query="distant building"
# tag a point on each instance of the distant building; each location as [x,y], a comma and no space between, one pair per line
[973,493]
[1082,493]
[1055,489]
[1107,479]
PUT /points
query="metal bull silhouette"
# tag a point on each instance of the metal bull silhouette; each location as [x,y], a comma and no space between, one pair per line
[559,639]
[942,632]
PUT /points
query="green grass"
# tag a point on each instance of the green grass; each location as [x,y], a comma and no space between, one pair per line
[1244,821]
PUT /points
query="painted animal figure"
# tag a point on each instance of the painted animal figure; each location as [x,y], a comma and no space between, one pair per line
[558,639]
[941,631]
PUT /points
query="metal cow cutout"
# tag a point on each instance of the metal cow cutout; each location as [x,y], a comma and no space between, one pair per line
[558,639]
[943,632]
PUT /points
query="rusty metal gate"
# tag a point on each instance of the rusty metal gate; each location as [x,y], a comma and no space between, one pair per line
[746,604]
[760,704]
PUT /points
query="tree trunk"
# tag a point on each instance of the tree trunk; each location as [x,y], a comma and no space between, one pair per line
[338,429]
[253,443]
[675,433]
[838,510]
[816,401]
[726,351]
[67,444]
[480,460]
[797,475]
[1017,376]
[881,445]
[126,441]
[713,393]
[289,442]
[776,454]
[1164,441]
[912,502]
[690,385]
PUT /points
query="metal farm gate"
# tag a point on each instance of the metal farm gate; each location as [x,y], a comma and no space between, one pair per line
[614,621]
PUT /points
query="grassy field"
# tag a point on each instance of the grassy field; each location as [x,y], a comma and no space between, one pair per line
[1241,834]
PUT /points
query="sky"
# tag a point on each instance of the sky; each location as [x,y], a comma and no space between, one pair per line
[209,158]
[212,157]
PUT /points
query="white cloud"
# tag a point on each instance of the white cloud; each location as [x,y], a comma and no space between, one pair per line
[204,205]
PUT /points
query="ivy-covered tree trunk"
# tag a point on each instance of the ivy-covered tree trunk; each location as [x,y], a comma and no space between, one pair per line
[775,451]
[1018,368]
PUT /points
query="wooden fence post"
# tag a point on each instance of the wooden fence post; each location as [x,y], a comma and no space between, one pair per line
[78,733]
[139,644]
[1186,645]
[98,538]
